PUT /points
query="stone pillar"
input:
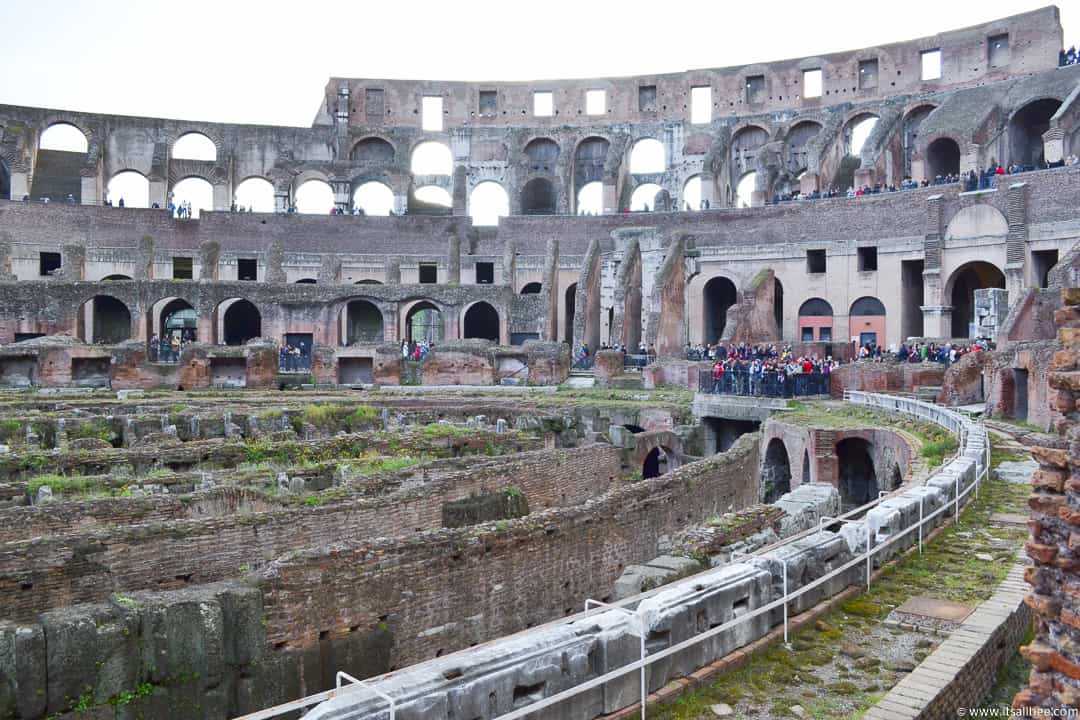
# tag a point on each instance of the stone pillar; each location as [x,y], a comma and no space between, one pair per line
[20,185]
[73,267]
[864,177]
[1016,240]
[342,195]
[810,182]
[5,259]
[330,270]
[970,159]
[937,321]
[1054,145]
[144,259]
[708,189]
[158,188]
[393,271]
[1054,654]
[610,199]
[918,168]
[209,257]
[459,193]
[758,198]
[222,197]
[281,201]
[453,260]
[275,263]
[89,191]
[991,307]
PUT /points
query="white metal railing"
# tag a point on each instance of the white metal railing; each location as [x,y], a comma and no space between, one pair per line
[940,416]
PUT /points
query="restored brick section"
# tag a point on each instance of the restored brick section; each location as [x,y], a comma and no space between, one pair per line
[886,377]
[1055,542]
[418,584]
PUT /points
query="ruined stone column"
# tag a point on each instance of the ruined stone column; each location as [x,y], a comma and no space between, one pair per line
[1016,240]
[453,260]
[393,271]
[459,192]
[275,263]
[144,259]
[73,268]
[937,315]
[1054,145]
[209,257]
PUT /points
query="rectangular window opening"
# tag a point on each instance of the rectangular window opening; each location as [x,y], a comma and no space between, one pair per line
[646,98]
[485,273]
[868,74]
[182,268]
[489,103]
[595,102]
[997,49]
[931,64]
[429,273]
[48,263]
[543,104]
[867,259]
[825,334]
[701,105]
[815,261]
[811,83]
[431,114]
[808,334]
[755,89]
[247,269]
[373,103]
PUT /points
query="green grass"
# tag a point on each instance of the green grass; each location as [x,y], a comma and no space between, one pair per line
[62,484]
[333,418]
[445,430]
[935,451]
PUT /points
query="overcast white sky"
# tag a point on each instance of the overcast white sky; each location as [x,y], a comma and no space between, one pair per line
[266,61]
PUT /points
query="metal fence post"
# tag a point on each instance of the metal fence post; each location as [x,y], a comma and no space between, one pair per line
[922,498]
[785,603]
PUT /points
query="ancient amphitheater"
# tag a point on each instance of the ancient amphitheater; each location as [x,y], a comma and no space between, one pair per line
[264,462]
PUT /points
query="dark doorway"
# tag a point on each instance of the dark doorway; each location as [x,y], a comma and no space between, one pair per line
[532,288]
[363,323]
[538,197]
[806,467]
[974,276]
[482,321]
[775,472]
[1026,130]
[424,321]
[778,308]
[720,294]
[111,321]
[1020,394]
[1041,263]
[858,482]
[943,158]
[658,462]
[242,322]
[911,298]
[721,434]
[178,319]
[571,301]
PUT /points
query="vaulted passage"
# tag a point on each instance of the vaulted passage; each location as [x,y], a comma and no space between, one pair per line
[242,322]
[178,319]
[943,158]
[775,472]
[658,462]
[720,294]
[965,281]
[858,483]
[363,322]
[104,319]
[424,322]
[538,197]
[482,321]
[1026,130]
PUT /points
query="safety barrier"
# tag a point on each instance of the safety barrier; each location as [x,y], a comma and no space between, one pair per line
[611,656]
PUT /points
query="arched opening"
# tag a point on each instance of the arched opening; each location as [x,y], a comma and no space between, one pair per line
[481,321]
[896,478]
[647,156]
[644,197]
[542,154]
[815,321]
[532,288]
[104,320]
[488,202]
[306,281]
[977,275]
[806,467]
[64,137]
[589,159]
[858,482]
[719,295]
[570,300]
[775,471]
[178,319]
[255,194]
[242,322]
[691,193]
[943,158]
[128,189]
[778,307]
[368,281]
[57,176]
[866,320]
[112,278]
[372,151]
[196,192]
[315,197]
[744,192]
[798,142]
[538,197]
[590,199]
[194,146]
[374,198]
[745,144]
[363,323]
[432,158]
[431,197]
[1026,129]
[424,321]
[912,122]
[858,132]
[659,461]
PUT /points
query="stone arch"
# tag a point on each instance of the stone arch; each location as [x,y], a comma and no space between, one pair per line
[1026,128]
[590,156]
[647,157]
[866,320]
[64,136]
[314,195]
[103,320]
[488,201]
[374,198]
[659,461]
[431,157]
[857,480]
[718,295]
[174,316]
[532,288]
[372,151]
[239,321]
[481,320]
[542,154]
[61,153]
[255,193]
[815,321]
[131,186]
[306,281]
[796,146]
[570,304]
[196,190]
[644,196]
[775,471]
[960,292]
[538,197]
[691,193]
[942,158]
[116,278]
[194,145]
[363,322]
[913,120]
[423,320]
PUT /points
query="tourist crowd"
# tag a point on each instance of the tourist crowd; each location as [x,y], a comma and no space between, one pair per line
[294,358]
[1068,57]
[416,350]
[166,349]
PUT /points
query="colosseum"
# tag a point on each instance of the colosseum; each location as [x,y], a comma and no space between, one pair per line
[734,392]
